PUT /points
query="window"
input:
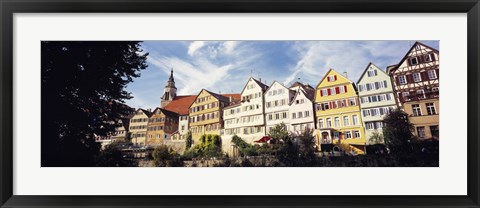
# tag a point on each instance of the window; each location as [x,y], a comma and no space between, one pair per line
[351,101]
[421,94]
[270,117]
[402,79]
[333,91]
[300,114]
[434,131]
[414,61]
[346,121]
[360,88]
[405,96]
[366,113]
[320,123]
[294,115]
[326,106]
[416,110]
[337,121]
[307,113]
[431,109]
[417,77]
[355,120]
[356,134]
[348,134]
[432,74]
[372,73]
[370,125]
[336,135]
[329,122]
[421,131]
[324,92]
[332,78]
[428,58]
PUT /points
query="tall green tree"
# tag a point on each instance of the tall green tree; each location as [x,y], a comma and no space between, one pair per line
[398,132]
[188,140]
[83,94]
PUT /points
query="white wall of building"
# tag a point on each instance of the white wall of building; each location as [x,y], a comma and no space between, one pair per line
[277,100]
[301,113]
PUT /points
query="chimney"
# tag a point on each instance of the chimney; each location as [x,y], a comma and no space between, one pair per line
[345,74]
[230,98]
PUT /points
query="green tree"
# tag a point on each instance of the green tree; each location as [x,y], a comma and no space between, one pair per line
[188,140]
[398,132]
[279,132]
[111,156]
[376,137]
[83,94]
[164,156]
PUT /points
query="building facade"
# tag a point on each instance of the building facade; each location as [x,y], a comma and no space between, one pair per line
[301,111]
[277,106]
[138,127]
[206,114]
[377,99]
[161,125]
[338,114]
[246,117]
[416,85]
[121,133]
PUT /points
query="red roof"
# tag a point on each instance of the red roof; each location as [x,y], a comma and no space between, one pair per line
[264,139]
[180,104]
[234,96]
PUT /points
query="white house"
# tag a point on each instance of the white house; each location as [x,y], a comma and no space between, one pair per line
[301,111]
[277,105]
[246,117]
[376,100]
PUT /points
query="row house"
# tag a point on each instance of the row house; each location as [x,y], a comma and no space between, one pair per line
[377,99]
[138,127]
[161,125]
[301,108]
[338,113]
[206,113]
[416,84]
[245,118]
[277,106]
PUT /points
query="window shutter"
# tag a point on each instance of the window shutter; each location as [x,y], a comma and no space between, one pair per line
[437,72]
[328,78]
[409,78]
[329,91]
[424,75]
[433,56]
[335,77]
[345,88]
[321,93]
[337,90]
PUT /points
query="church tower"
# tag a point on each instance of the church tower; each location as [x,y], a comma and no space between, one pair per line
[169,92]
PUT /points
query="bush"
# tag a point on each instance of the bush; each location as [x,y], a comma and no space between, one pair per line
[210,146]
[165,156]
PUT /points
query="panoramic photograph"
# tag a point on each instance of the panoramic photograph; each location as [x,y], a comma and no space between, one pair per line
[246,103]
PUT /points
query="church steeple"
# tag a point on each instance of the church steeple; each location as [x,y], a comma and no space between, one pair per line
[169,92]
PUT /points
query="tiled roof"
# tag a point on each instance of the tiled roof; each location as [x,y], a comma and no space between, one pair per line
[235,97]
[180,104]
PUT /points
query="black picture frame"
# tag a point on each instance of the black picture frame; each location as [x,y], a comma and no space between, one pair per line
[10,7]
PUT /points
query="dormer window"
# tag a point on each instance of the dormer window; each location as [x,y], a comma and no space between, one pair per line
[428,58]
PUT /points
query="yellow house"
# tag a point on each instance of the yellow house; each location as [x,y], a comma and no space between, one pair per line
[337,112]
[205,113]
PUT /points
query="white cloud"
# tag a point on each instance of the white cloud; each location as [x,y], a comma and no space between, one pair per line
[315,58]
[229,46]
[195,46]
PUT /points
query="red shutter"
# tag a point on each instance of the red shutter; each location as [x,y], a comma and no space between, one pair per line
[345,87]
[335,77]
[331,105]
[329,91]
[321,93]
[346,103]
[337,90]
[328,78]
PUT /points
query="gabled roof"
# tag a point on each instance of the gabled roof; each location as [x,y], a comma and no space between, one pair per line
[220,97]
[166,112]
[181,104]
[146,112]
[409,51]
[308,92]
[279,84]
[260,84]
[366,69]
[325,76]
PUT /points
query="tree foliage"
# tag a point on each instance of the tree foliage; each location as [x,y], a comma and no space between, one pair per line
[111,156]
[279,132]
[398,132]
[164,156]
[376,138]
[83,94]
[210,146]
[188,140]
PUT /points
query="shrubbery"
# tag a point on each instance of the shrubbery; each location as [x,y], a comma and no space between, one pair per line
[164,156]
[210,146]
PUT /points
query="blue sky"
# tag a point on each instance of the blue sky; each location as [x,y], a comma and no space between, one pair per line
[225,66]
